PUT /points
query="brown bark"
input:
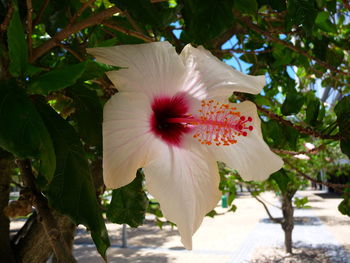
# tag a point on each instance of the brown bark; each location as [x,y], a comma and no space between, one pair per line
[32,244]
[288,220]
[46,217]
[66,32]
[6,254]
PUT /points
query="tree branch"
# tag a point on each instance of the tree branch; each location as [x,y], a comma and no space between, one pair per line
[29,27]
[338,187]
[49,223]
[5,23]
[80,11]
[275,220]
[66,32]
[247,21]
[41,12]
[312,151]
[129,32]
[299,128]
[74,53]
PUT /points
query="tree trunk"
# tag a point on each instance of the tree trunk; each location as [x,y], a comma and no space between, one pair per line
[32,244]
[288,220]
[6,254]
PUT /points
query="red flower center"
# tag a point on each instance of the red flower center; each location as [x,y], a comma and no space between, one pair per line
[165,108]
[215,123]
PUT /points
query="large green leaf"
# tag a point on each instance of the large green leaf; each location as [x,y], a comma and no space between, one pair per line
[246,6]
[88,114]
[323,22]
[71,191]
[22,131]
[312,111]
[282,179]
[342,110]
[129,204]
[292,104]
[344,207]
[57,79]
[206,20]
[302,12]
[17,45]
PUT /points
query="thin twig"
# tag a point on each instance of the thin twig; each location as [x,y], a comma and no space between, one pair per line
[312,151]
[41,12]
[337,187]
[276,220]
[45,216]
[299,128]
[30,27]
[132,22]
[67,31]
[6,22]
[74,53]
[129,32]
[80,11]
[247,21]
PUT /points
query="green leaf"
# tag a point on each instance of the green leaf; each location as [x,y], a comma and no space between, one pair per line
[292,104]
[344,207]
[129,204]
[246,6]
[88,114]
[312,110]
[323,22]
[302,12]
[342,110]
[22,131]
[335,56]
[206,20]
[71,191]
[57,79]
[282,179]
[95,70]
[17,45]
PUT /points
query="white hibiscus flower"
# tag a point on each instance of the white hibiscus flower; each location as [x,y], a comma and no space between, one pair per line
[171,117]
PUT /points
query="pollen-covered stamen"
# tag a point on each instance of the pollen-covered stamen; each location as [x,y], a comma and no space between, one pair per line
[217,124]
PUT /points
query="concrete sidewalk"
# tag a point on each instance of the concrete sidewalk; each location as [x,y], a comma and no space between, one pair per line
[227,238]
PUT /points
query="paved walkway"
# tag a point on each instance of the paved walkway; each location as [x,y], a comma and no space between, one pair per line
[231,237]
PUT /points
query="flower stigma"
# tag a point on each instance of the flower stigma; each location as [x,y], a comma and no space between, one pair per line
[215,124]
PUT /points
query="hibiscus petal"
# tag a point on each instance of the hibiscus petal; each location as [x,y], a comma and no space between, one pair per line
[152,68]
[250,156]
[218,78]
[127,141]
[185,182]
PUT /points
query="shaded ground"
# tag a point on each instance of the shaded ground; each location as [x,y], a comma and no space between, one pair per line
[302,254]
[321,234]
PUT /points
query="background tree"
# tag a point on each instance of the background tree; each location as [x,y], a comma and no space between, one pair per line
[52,92]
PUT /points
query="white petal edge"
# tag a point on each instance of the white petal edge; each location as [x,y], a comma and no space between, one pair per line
[219,79]
[185,182]
[127,141]
[250,156]
[151,68]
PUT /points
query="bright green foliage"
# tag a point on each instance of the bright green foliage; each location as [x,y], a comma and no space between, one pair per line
[72,191]
[301,202]
[22,131]
[129,204]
